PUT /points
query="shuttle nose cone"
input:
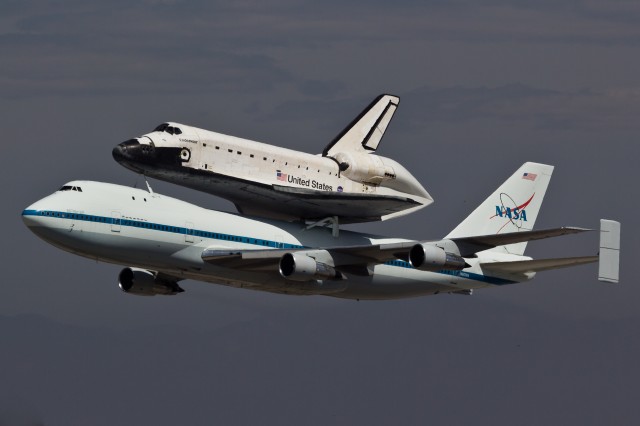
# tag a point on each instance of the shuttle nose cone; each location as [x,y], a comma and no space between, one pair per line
[131,153]
[145,158]
[125,150]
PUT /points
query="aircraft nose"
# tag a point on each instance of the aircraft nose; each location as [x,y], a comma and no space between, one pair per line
[31,216]
[125,150]
[132,153]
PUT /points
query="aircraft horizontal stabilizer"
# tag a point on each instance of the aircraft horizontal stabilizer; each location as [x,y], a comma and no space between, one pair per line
[536,265]
[469,246]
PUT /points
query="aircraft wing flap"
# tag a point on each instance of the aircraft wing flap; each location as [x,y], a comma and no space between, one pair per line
[378,253]
[470,245]
[536,265]
[256,260]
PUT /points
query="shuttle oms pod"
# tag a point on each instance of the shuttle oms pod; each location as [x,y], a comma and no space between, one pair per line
[347,182]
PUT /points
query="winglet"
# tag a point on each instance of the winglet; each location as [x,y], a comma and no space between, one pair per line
[609,265]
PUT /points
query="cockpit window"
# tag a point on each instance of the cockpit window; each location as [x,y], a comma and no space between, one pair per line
[70,188]
[165,127]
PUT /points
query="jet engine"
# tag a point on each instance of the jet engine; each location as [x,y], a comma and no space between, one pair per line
[145,283]
[427,257]
[300,267]
[366,168]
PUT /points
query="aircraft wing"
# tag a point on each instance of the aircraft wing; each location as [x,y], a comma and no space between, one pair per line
[363,255]
[341,256]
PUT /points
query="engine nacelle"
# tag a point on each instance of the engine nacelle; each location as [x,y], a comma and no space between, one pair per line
[364,167]
[426,257]
[300,267]
[144,283]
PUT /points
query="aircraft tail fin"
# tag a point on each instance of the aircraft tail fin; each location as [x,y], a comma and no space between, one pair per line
[364,133]
[513,207]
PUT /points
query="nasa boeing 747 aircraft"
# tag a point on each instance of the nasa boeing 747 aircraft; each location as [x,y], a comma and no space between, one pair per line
[162,241]
[347,183]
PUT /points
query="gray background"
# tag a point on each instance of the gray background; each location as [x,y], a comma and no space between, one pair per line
[483,87]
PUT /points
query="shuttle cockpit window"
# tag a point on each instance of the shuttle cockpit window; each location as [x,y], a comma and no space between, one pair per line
[165,127]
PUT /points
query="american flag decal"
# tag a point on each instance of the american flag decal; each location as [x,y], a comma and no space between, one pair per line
[529,176]
[281,176]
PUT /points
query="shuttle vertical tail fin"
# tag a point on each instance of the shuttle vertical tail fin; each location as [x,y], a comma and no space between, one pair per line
[513,207]
[365,132]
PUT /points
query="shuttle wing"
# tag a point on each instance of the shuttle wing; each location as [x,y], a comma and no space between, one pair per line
[365,132]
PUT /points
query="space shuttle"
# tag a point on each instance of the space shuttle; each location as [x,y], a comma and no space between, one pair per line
[346,183]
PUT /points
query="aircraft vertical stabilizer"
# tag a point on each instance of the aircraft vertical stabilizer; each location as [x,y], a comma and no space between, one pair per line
[365,132]
[513,207]
[609,265]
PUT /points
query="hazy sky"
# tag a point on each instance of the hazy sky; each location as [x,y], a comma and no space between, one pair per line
[484,87]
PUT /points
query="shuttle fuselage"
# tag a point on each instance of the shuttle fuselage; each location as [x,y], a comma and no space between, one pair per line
[347,181]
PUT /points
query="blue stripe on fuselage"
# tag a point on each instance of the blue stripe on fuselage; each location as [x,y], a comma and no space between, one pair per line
[236,238]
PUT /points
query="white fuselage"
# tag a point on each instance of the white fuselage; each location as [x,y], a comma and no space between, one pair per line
[258,161]
[133,227]
[253,175]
